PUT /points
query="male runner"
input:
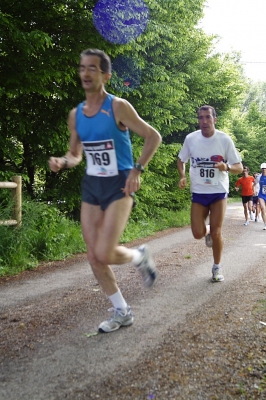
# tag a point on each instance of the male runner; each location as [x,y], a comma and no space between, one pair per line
[246,182]
[100,127]
[212,155]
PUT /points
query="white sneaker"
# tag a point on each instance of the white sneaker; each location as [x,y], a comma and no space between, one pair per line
[119,318]
[264,228]
[251,216]
[246,223]
[208,238]
[217,275]
[147,268]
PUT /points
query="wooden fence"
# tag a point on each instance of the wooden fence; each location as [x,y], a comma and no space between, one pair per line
[17,199]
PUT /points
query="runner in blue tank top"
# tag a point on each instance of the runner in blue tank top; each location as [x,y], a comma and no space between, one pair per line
[261,179]
[99,126]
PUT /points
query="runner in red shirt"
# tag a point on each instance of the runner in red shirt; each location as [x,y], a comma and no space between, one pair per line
[246,183]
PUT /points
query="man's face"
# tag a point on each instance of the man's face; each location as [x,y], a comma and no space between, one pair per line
[91,75]
[206,122]
[245,171]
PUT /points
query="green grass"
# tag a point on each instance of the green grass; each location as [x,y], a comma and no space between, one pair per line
[234,199]
[148,227]
[44,235]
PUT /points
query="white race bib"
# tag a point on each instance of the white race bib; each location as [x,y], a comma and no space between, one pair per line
[101,158]
[206,174]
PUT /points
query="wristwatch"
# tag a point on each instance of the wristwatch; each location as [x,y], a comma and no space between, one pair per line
[228,167]
[139,167]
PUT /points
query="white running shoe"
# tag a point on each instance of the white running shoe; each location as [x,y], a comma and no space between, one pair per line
[147,268]
[246,223]
[264,228]
[208,240]
[251,216]
[119,318]
[217,275]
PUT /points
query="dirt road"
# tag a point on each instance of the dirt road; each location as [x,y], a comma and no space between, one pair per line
[191,339]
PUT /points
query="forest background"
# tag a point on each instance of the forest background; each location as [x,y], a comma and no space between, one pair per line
[173,68]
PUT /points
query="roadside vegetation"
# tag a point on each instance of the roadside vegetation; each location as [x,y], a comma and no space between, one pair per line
[47,235]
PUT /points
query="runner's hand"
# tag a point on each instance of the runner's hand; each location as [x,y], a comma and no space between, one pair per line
[221,166]
[56,163]
[132,182]
[182,183]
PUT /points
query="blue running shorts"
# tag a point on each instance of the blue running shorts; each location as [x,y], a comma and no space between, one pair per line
[255,199]
[206,199]
[101,191]
[262,196]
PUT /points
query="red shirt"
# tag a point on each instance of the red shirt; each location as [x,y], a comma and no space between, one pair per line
[247,185]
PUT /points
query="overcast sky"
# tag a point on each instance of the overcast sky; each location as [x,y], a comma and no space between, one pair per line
[241,25]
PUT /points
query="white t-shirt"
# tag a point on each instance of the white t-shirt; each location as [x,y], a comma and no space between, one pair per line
[204,153]
[256,187]
[257,180]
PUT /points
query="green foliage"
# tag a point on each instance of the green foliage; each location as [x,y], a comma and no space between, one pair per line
[256,93]
[163,219]
[45,234]
[249,129]
[40,47]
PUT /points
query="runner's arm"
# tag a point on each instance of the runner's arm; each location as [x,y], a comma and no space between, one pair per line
[181,167]
[126,115]
[74,155]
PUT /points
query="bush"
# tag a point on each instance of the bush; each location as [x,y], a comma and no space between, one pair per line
[45,234]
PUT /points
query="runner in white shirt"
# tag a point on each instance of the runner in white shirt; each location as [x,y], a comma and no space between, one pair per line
[212,155]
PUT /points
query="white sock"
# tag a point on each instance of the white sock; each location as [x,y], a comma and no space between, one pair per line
[208,230]
[137,257]
[118,300]
[215,266]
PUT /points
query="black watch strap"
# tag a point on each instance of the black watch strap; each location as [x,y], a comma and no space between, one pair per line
[139,167]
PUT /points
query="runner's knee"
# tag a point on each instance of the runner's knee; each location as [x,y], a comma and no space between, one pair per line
[198,234]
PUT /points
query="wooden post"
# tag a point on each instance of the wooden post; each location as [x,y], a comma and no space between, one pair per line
[16,186]
[17,198]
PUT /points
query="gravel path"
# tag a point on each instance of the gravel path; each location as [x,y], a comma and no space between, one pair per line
[191,339]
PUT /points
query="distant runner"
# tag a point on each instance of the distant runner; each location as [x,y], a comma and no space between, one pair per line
[262,193]
[246,182]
